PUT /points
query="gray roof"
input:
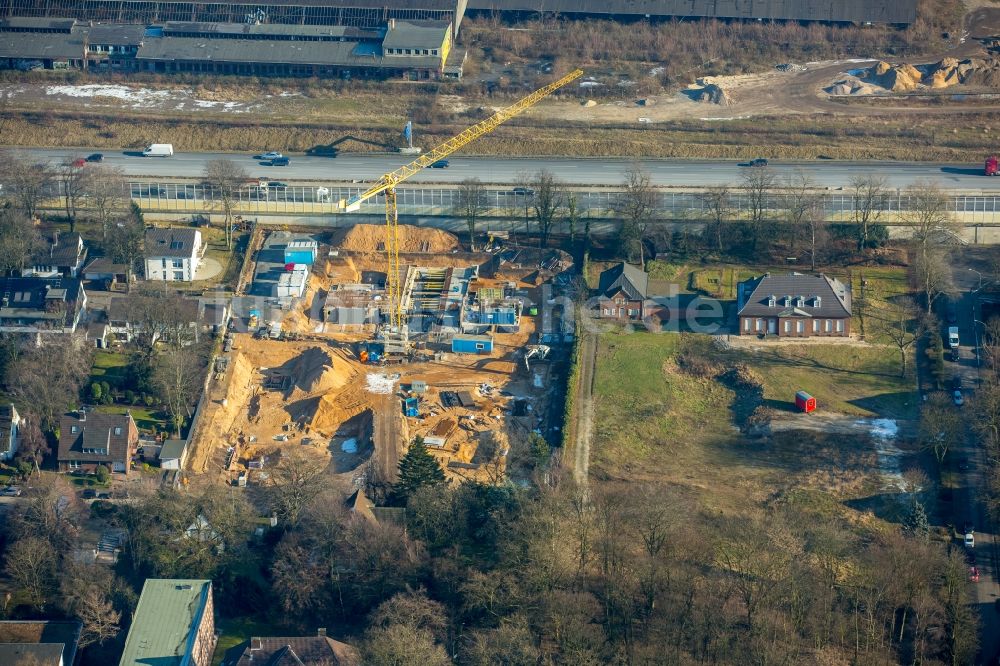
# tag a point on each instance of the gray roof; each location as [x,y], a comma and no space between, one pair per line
[104,265]
[65,250]
[239,30]
[96,430]
[860,11]
[415,35]
[353,54]
[64,633]
[173,449]
[169,610]
[297,651]
[117,34]
[41,299]
[754,295]
[44,654]
[37,23]
[41,46]
[169,242]
[630,279]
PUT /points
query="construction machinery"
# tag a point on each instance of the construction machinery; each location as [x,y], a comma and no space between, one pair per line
[386,185]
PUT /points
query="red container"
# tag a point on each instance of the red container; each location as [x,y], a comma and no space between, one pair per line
[805,402]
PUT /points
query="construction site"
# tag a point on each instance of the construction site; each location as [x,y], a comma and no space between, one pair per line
[318,376]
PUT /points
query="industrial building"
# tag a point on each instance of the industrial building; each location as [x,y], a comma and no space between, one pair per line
[396,49]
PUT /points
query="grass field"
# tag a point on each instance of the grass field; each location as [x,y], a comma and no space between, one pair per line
[109,366]
[232,632]
[145,418]
[657,421]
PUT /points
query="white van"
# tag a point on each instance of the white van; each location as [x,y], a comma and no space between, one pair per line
[953,337]
[159,150]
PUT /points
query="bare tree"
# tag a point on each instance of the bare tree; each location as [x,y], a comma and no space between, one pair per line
[105,189]
[293,484]
[85,593]
[27,182]
[757,185]
[547,201]
[804,211]
[32,445]
[48,376]
[933,275]
[572,215]
[472,205]
[226,177]
[716,201]
[30,563]
[74,182]
[870,198]
[19,240]
[177,376]
[638,205]
[940,425]
[124,242]
[897,321]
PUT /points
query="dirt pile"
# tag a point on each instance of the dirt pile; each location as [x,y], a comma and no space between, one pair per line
[315,371]
[944,74]
[708,92]
[371,238]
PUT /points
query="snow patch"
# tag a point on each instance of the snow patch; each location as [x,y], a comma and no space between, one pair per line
[137,96]
[379,383]
[890,456]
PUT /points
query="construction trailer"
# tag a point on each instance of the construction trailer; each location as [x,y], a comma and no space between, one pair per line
[805,402]
[292,283]
[301,252]
[472,344]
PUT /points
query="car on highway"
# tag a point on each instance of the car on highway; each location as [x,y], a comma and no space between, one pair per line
[964,466]
[957,397]
[440,164]
[10,491]
[79,162]
[276,183]
[969,540]
[95,157]
[271,155]
[522,191]
[280,161]
[955,355]
[758,162]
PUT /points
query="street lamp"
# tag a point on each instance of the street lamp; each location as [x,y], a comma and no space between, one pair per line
[975,332]
[980,277]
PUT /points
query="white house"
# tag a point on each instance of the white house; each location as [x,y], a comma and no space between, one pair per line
[10,423]
[173,254]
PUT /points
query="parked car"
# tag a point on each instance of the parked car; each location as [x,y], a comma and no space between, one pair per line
[523,191]
[956,382]
[951,312]
[272,155]
[89,493]
[957,397]
[956,355]
[970,540]
[758,162]
[279,161]
[974,574]
[95,157]
[10,491]
[440,164]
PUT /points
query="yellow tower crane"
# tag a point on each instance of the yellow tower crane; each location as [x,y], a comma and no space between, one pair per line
[387,185]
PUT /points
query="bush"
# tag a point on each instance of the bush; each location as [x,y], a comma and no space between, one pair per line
[96,392]
[130,396]
[148,400]
[103,474]
[106,395]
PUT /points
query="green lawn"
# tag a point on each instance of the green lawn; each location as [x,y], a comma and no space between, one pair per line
[87,481]
[109,366]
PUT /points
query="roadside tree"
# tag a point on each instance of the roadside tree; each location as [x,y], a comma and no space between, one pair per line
[870,198]
[472,205]
[758,183]
[226,177]
[105,189]
[548,200]
[637,205]
[27,182]
[933,275]
[941,425]
[74,183]
[717,203]
[897,320]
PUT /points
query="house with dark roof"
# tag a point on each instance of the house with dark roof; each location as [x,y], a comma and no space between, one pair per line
[60,255]
[794,305]
[172,254]
[10,424]
[318,650]
[622,293]
[49,642]
[89,439]
[108,275]
[41,305]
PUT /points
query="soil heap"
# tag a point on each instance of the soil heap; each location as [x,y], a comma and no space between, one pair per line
[371,238]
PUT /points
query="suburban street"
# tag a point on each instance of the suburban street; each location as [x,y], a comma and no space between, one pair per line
[586,171]
[970,461]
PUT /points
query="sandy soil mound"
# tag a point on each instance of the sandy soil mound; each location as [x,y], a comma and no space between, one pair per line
[944,74]
[708,92]
[315,371]
[371,237]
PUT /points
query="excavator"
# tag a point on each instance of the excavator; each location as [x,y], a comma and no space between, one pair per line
[386,185]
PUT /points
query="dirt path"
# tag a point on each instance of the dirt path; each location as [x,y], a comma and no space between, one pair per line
[584,410]
[387,437]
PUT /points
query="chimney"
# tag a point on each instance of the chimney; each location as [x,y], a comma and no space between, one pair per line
[392,24]
[321,632]
[81,415]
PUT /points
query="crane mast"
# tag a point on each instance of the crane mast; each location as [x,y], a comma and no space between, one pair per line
[387,185]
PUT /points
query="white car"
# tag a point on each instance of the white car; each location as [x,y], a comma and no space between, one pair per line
[273,155]
[970,540]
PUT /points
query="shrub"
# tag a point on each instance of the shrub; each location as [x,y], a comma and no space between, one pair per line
[103,474]
[148,400]
[130,396]
[96,392]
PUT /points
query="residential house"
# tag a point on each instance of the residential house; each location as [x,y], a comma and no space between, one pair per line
[48,642]
[172,254]
[61,255]
[109,275]
[173,623]
[89,439]
[318,650]
[794,305]
[41,305]
[191,317]
[10,423]
[622,293]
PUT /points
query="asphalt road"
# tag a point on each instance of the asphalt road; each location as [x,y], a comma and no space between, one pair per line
[589,171]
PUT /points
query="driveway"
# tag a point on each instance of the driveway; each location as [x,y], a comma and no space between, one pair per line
[208,268]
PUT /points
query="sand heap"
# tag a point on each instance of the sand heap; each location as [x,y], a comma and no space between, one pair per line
[371,238]
[897,78]
[905,77]
[313,371]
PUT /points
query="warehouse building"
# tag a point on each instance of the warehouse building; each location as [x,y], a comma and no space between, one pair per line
[399,49]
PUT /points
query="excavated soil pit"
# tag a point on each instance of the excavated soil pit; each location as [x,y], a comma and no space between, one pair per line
[352,444]
[371,238]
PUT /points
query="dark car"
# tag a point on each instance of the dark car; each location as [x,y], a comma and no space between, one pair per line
[758,162]
[956,356]
[279,161]
[524,191]
[951,312]
[277,183]
[95,157]
[89,493]
[440,164]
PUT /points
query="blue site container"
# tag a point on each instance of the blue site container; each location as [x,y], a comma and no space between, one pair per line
[411,407]
[472,344]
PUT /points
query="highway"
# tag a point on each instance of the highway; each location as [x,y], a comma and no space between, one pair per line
[504,171]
